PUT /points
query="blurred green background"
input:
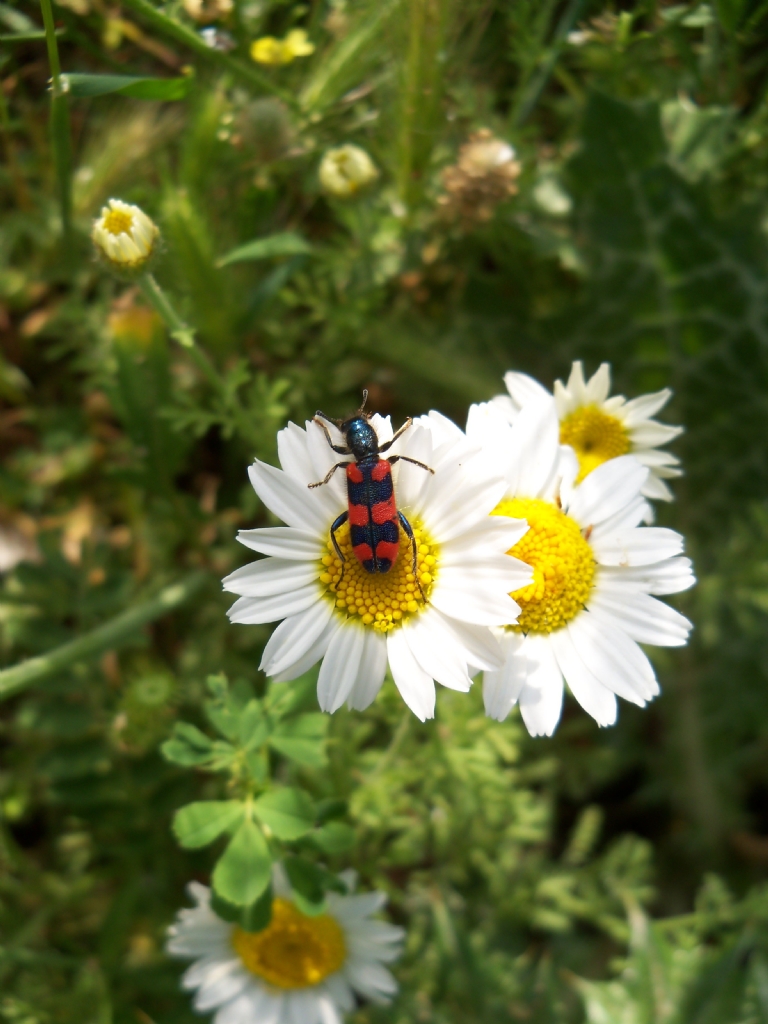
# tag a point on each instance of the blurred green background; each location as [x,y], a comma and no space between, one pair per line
[613,876]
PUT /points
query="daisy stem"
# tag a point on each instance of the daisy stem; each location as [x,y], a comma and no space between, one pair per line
[59,123]
[185,335]
[104,638]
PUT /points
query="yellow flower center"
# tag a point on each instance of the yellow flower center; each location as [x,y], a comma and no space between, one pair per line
[381,600]
[595,437]
[118,222]
[562,562]
[293,951]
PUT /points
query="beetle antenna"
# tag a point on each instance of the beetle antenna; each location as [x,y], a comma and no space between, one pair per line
[365,399]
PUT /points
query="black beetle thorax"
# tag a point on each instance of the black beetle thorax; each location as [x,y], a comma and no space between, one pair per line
[361,438]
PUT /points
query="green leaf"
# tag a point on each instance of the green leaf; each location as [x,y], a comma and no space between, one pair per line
[244,870]
[310,882]
[289,813]
[198,824]
[84,85]
[286,243]
[335,837]
[302,739]
[326,810]
[187,746]
[253,918]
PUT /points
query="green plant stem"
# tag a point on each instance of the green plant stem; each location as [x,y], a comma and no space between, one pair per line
[104,638]
[185,335]
[59,124]
[192,41]
[537,83]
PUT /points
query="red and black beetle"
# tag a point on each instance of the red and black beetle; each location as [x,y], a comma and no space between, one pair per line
[373,516]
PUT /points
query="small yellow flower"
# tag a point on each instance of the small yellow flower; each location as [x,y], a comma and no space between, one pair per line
[345,170]
[125,236]
[269,50]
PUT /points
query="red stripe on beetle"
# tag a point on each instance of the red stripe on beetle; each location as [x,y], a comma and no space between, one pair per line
[384,511]
[358,515]
[354,473]
[386,549]
[381,470]
[363,552]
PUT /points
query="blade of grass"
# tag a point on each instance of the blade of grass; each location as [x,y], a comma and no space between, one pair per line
[193,42]
[103,638]
[59,124]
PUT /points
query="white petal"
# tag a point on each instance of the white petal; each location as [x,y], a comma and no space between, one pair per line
[411,481]
[252,610]
[668,577]
[614,658]
[637,511]
[475,604]
[435,647]
[576,383]
[524,389]
[371,980]
[284,542]
[340,992]
[293,453]
[541,699]
[301,1007]
[340,666]
[607,490]
[370,675]
[291,640]
[596,699]
[651,434]
[640,546]
[656,489]
[313,655]
[599,384]
[416,687]
[642,617]
[480,644]
[290,500]
[329,1014]
[270,576]
[535,449]
[253,1005]
[642,408]
[501,688]
[662,461]
[323,457]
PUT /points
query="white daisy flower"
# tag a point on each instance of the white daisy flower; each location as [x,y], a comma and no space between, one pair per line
[596,575]
[125,236]
[599,428]
[298,970]
[432,627]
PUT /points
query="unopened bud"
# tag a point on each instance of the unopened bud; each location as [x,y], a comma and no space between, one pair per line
[345,170]
[125,236]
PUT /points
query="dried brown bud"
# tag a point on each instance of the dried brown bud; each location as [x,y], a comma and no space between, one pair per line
[484,175]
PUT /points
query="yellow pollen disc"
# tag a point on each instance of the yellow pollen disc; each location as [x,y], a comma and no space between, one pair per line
[381,600]
[118,222]
[595,437]
[293,951]
[562,562]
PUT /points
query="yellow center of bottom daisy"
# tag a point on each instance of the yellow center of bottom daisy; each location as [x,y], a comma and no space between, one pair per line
[117,222]
[562,562]
[381,600]
[594,436]
[293,951]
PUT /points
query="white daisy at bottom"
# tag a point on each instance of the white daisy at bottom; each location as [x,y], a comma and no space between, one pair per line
[428,626]
[597,573]
[298,970]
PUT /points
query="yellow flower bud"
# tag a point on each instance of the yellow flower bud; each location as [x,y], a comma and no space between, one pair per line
[345,170]
[125,236]
[297,44]
[267,50]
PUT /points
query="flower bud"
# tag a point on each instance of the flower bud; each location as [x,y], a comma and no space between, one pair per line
[345,170]
[269,50]
[125,236]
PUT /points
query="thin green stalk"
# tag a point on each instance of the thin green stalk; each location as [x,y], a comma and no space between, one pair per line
[104,638]
[59,124]
[537,83]
[185,335]
[192,41]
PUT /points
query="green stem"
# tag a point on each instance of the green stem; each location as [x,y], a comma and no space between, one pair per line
[104,638]
[59,124]
[192,41]
[185,335]
[538,82]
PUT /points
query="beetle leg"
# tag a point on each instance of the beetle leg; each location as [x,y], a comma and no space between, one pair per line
[414,462]
[336,525]
[409,534]
[341,449]
[385,447]
[328,475]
